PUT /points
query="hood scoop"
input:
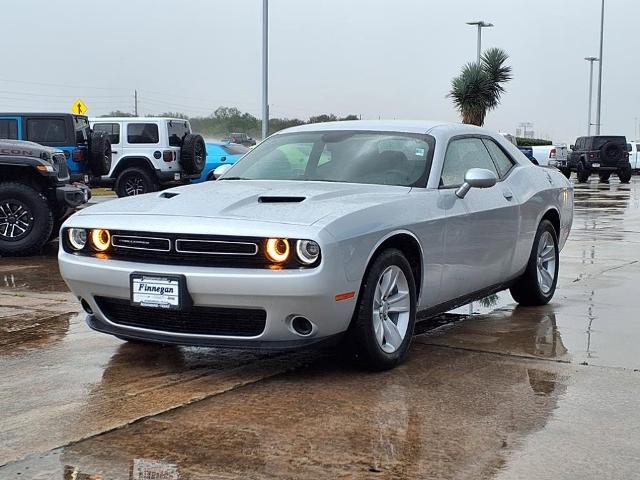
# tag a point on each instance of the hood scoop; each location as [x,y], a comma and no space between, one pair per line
[168,194]
[280,199]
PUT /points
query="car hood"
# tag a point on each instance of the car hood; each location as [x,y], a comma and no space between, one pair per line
[289,202]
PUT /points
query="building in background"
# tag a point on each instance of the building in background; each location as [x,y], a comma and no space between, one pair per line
[525,130]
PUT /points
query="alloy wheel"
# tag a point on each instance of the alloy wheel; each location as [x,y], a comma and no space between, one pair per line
[391,309]
[134,186]
[16,220]
[546,262]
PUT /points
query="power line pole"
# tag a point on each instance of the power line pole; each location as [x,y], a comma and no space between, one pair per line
[599,105]
[265,68]
[135,103]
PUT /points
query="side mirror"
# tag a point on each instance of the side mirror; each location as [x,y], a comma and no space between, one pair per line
[476,178]
[221,170]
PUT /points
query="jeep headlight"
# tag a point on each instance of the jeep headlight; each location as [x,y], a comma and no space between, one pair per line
[77,238]
[307,251]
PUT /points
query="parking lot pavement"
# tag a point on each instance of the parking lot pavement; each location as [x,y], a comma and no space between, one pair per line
[545,392]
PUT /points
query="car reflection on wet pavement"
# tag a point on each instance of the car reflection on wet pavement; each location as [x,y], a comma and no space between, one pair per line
[509,392]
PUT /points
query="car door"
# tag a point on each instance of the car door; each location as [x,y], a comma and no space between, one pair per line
[112,130]
[481,229]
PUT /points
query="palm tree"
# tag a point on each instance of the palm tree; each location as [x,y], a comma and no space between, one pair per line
[479,86]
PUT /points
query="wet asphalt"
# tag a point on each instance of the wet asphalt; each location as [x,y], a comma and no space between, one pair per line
[508,393]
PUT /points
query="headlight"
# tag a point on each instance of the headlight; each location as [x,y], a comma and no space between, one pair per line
[100,239]
[308,251]
[278,250]
[77,238]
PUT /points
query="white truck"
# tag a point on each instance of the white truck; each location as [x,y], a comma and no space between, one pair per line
[634,155]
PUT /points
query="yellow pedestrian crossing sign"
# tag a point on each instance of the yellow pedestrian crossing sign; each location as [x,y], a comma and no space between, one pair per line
[79,107]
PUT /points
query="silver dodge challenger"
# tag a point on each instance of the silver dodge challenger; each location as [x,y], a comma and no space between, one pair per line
[338,230]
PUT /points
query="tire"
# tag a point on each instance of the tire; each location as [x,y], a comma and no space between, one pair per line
[380,352]
[135,181]
[99,153]
[36,221]
[193,154]
[566,172]
[604,176]
[583,173]
[531,288]
[612,152]
[624,174]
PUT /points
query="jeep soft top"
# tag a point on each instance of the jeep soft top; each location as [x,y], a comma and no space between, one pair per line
[35,195]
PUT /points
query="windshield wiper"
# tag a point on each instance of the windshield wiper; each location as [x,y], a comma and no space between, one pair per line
[234,178]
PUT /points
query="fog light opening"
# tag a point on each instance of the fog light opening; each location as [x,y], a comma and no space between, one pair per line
[85,306]
[302,326]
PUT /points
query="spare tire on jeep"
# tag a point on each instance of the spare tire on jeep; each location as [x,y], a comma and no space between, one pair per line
[99,153]
[193,154]
[612,151]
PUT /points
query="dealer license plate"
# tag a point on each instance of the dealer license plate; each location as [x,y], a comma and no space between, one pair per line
[156,291]
[596,165]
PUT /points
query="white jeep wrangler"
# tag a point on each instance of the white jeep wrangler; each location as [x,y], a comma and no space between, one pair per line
[150,153]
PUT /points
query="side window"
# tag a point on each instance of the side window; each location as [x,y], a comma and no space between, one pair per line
[462,155]
[46,130]
[9,129]
[502,161]
[177,131]
[112,130]
[142,133]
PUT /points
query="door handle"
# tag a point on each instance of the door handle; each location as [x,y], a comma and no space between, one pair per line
[508,194]
[114,151]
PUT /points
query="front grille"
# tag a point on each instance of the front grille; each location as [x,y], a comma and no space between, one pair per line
[135,242]
[60,163]
[216,247]
[238,322]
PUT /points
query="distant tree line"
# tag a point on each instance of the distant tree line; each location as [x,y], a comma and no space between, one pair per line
[532,142]
[225,120]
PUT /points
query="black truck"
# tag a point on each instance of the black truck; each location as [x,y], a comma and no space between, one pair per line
[36,196]
[603,155]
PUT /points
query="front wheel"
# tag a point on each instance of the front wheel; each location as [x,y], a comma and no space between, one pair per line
[385,316]
[135,181]
[26,219]
[538,283]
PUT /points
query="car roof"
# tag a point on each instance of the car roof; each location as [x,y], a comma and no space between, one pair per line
[39,114]
[134,119]
[406,126]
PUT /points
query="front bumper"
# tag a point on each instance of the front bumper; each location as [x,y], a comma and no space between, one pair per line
[73,195]
[282,294]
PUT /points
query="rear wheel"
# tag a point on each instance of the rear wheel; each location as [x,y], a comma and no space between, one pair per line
[624,174]
[384,319]
[135,181]
[26,219]
[604,176]
[538,283]
[583,173]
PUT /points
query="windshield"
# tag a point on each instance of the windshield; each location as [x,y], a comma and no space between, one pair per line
[383,158]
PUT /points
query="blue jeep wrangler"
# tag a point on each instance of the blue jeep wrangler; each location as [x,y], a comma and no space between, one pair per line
[88,153]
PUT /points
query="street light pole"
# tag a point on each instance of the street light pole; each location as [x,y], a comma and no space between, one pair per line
[590,60]
[599,104]
[480,24]
[265,68]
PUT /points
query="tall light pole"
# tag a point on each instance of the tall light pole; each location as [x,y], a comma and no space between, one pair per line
[265,68]
[590,60]
[599,105]
[481,24]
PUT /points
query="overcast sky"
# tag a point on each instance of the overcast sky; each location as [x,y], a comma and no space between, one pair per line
[376,58]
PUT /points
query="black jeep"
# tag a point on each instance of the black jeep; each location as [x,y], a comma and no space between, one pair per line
[35,195]
[601,154]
